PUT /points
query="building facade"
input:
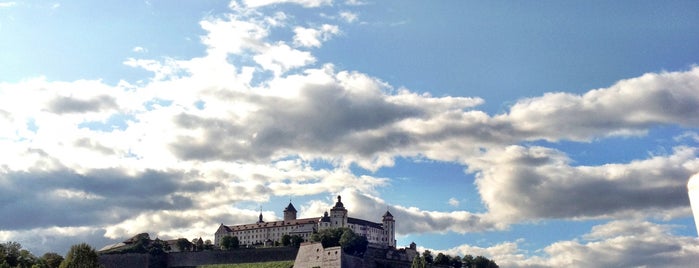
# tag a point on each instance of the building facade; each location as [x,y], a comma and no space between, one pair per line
[263,232]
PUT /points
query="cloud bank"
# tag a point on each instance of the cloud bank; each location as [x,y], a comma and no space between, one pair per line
[174,154]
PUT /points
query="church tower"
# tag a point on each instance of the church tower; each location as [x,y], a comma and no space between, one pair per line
[389,228]
[289,213]
[338,214]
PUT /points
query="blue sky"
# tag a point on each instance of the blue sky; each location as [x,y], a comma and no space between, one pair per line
[541,134]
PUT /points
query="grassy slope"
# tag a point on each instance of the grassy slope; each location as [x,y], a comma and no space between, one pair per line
[273,264]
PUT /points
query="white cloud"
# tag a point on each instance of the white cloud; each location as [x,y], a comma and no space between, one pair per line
[280,58]
[629,107]
[412,219]
[7,4]
[348,16]
[304,3]
[453,202]
[139,50]
[540,183]
[174,155]
[310,37]
[355,2]
[613,244]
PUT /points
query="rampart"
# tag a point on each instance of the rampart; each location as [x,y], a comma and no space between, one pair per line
[193,259]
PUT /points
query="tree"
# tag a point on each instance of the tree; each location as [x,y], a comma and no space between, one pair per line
[329,237]
[81,256]
[441,259]
[427,255]
[199,244]
[418,262]
[10,253]
[456,262]
[208,245]
[157,247]
[483,262]
[52,259]
[183,244]
[296,240]
[352,243]
[467,261]
[230,242]
[26,259]
[286,240]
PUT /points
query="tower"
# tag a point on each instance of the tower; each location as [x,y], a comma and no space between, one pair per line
[324,222]
[389,227]
[289,212]
[338,214]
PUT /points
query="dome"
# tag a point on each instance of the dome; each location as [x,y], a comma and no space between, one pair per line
[339,204]
[325,218]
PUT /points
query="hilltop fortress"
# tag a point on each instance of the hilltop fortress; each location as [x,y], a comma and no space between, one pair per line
[263,232]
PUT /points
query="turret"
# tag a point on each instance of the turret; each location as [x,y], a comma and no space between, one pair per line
[324,222]
[389,228]
[289,213]
[260,221]
[338,214]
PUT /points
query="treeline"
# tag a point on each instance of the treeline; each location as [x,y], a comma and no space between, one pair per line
[426,259]
[12,255]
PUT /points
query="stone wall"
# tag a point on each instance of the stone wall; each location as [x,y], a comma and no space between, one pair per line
[193,259]
[135,260]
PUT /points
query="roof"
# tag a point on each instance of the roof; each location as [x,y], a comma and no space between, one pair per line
[272,224]
[338,205]
[290,208]
[388,214]
[112,246]
[325,217]
[364,222]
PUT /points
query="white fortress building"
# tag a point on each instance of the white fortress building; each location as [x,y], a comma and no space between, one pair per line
[262,232]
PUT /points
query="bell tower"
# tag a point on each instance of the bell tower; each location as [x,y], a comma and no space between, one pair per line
[289,212]
[389,228]
[338,214]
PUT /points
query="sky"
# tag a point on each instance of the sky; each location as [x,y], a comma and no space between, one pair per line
[537,134]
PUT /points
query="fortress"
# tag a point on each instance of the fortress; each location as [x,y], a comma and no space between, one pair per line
[263,232]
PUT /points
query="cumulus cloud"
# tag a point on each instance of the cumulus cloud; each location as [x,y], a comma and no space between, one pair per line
[625,243]
[245,122]
[304,3]
[630,106]
[541,183]
[139,50]
[348,16]
[453,202]
[354,2]
[314,37]
[7,4]
[412,219]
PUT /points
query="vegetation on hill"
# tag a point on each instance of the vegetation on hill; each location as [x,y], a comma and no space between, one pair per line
[141,243]
[81,256]
[230,242]
[12,255]
[350,242]
[427,260]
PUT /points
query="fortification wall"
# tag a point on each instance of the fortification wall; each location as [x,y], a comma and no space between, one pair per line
[135,260]
[193,259]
